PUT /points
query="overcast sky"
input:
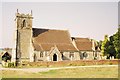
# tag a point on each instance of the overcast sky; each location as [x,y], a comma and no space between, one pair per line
[82,19]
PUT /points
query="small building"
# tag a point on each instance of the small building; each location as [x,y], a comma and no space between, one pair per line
[6,56]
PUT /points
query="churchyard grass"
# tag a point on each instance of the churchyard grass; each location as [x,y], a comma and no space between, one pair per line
[83,72]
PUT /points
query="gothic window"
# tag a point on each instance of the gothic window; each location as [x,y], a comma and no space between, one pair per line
[71,55]
[85,54]
[35,57]
[46,54]
[62,56]
[41,54]
[24,23]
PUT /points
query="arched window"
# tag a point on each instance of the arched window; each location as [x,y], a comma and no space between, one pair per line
[41,54]
[24,23]
[71,54]
[85,54]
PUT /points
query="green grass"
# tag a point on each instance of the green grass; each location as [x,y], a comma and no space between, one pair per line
[110,72]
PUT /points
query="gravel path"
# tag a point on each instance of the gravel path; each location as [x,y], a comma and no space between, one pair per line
[36,70]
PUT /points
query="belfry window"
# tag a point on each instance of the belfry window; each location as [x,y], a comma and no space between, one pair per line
[24,23]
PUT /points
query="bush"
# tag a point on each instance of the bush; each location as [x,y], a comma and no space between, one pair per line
[110,63]
[11,65]
[70,64]
[118,56]
[83,64]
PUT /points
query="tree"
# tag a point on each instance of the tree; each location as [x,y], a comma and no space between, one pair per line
[111,48]
[111,45]
[116,42]
[104,47]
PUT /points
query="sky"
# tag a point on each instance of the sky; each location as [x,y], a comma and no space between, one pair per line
[82,19]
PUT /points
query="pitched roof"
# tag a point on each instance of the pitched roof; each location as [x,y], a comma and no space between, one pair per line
[5,52]
[44,39]
[83,44]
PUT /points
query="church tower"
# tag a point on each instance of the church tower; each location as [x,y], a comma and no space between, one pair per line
[24,48]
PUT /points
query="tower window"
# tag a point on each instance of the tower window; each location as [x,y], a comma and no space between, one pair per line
[24,23]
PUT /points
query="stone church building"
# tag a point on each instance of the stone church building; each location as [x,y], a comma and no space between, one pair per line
[36,44]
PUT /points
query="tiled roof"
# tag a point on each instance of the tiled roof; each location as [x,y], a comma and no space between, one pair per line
[44,39]
[37,47]
[83,44]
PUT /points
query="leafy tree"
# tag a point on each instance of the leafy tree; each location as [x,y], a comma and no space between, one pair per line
[104,47]
[116,42]
[111,45]
[111,48]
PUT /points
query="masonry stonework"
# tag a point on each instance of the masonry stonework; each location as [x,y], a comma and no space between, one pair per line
[24,37]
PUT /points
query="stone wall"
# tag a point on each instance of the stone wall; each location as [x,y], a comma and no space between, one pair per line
[49,57]
[24,44]
[23,39]
[40,56]
[89,55]
[71,56]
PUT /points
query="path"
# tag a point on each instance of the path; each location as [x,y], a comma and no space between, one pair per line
[36,70]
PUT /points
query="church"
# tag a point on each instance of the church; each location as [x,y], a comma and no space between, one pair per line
[37,44]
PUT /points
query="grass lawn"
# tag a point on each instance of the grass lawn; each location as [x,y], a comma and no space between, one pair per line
[106,72]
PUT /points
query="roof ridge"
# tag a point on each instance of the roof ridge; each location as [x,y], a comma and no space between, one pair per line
[51,29]
[58,43]
[40,46]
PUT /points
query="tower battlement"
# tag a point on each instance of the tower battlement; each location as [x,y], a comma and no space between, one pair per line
[24,15]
